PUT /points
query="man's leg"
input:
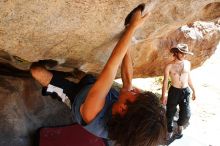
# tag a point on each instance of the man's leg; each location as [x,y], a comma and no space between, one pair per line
[170,112]
[41,74]
[172,102]
[86,80]
[184,113]
[54,84]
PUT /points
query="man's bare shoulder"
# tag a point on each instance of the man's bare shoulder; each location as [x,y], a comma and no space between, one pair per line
[168,67]
[187,63]
[169,64]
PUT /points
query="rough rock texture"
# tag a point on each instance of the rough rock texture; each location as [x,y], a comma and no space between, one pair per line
[23,110]
[81,34]
[201,37]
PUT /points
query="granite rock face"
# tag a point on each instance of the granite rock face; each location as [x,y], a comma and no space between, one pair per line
[81,34]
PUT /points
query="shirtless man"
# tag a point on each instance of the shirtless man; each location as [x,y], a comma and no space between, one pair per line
[179,72]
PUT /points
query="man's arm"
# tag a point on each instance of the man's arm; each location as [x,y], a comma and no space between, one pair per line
[165,84]
[191,86]
[127,71]
[96,97]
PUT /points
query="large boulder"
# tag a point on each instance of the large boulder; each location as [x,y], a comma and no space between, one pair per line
[82,34]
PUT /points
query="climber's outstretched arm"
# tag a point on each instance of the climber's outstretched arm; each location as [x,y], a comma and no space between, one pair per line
[96,97]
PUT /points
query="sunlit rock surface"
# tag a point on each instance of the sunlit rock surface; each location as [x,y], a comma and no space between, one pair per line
[82,34]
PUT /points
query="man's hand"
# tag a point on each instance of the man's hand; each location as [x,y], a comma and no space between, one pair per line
[137,19]
[193,96]
[164,101]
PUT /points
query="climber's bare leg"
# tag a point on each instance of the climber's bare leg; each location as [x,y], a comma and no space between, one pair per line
[41,74]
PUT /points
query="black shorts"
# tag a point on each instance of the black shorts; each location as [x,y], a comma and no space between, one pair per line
[61,88]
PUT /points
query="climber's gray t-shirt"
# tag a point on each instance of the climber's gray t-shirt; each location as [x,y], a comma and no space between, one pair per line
[98,126]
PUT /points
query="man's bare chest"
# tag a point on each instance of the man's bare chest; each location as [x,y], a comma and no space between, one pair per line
[180,68]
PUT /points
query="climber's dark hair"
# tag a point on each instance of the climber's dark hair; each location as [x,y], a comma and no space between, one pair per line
[144,124]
